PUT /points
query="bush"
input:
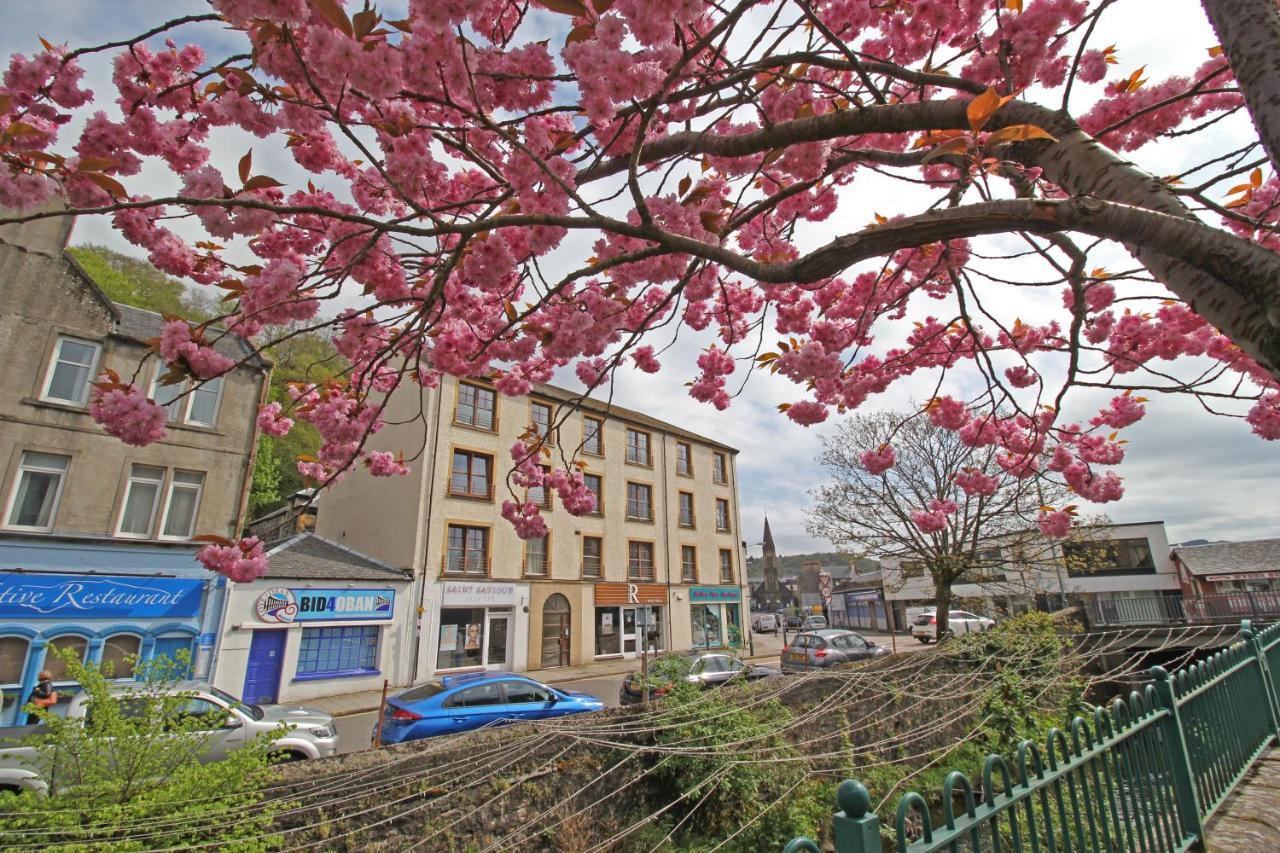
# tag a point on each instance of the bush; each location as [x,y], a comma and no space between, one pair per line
[129,776]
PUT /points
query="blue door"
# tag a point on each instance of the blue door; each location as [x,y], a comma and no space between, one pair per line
[262,675]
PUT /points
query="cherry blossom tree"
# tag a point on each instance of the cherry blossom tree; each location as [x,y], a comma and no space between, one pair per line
[475,199]
[937,503]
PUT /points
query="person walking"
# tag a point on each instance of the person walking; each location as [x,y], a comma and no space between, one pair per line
[42,696]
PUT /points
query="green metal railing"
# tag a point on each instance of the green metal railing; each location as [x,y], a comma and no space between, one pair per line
[1143,776]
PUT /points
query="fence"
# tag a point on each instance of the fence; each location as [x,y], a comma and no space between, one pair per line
[1143,776]
[1178,609]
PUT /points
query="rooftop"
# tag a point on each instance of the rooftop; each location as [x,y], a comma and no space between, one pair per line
[1259,555]
[311,557]
[630,415]
[141,325]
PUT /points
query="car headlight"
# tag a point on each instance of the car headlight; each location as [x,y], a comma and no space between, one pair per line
[322,732]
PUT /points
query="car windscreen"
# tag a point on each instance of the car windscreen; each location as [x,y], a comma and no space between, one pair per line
[422,691]
[252,711]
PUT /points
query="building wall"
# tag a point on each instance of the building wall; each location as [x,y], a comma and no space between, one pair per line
[43,299]
[410,527]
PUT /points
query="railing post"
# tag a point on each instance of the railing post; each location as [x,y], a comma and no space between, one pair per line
[1251,637]
[857,829]
[1184,780]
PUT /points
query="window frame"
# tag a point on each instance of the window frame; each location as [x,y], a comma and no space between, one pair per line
[188,418]
[549,437]
[181,414]
[582,558]
[130,480]
[726,564]
[16,486]
[465,525]
[728,525]
[687,576]
[457,404]
[652,577]
[692,523]
[545,503]
[168,504]
[546,557]
[115,675]
[470,454]
[688,448]
[54,360]
[720,468]
[645,518]
[599,433]
[598,512]
[357,631]
[648,444]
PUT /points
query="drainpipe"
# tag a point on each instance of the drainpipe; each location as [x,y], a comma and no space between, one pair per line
[744,593]
[666,549]
[424,524]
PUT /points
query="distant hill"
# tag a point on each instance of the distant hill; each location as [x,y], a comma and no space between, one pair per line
[790,565]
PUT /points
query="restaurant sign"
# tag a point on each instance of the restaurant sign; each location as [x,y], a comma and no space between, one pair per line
[38,596]
[709,594]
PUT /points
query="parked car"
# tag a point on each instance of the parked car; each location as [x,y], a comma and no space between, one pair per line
[703,668]
[813,623]
[795,621]
[924,627]
[460,703]
[311,733]
[827,647]
[764,623]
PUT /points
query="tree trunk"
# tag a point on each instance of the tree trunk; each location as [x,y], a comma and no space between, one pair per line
[1249,32]
[942,611]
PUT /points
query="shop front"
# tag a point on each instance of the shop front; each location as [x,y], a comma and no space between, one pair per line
[628,619]
[478,625]
[863,609]
[715,616]
[324,620]
[110,617]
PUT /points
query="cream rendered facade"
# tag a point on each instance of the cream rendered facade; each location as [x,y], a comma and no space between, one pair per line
[405,521]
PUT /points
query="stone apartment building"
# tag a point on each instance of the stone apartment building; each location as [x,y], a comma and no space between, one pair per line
[95,551]
[660,559]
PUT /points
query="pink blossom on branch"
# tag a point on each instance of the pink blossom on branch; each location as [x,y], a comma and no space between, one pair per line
[878,461]
[1055,524]
[125,412]
[242,561]
[271,422]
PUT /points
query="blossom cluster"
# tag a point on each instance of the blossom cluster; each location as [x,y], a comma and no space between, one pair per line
[241,561]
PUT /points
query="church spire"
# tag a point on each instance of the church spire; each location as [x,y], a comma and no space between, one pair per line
[768,538]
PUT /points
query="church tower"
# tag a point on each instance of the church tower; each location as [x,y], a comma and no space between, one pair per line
[770,566]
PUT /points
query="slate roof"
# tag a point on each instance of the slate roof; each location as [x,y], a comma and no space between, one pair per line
[141,325]
[315,558]
[1220,558]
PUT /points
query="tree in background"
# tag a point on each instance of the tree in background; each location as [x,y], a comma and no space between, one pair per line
[691,149]
[136,282]
[264,492]
[979,524]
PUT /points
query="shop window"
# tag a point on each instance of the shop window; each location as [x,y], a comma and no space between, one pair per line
[120,653]
[688,564]
[540,422]
[608,631]
[686,509]
[170,648]
[684,459]
[726,566]
[461,638]
[476,407]
[592,556]
[595,483]
[537,558]
[141,498]
[13,659]
[639,502]
[468,550]
[722,515]
[638,447]
[640,561]
[184,502]
[593,436]
[471,475]
[34,504]
[71,371]
[720,468]
[345,650]
[53,661]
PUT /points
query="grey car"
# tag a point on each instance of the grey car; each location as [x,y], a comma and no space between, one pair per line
[827,647]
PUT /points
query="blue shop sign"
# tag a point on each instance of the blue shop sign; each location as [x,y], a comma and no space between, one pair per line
[38,596]
[715,593]
[325,605]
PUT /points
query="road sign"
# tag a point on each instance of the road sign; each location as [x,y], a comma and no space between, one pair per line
[824,584]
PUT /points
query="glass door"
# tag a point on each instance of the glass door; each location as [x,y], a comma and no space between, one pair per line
[629,632]
[495,648]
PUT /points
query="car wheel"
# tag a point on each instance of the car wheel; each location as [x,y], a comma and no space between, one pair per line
[924,640]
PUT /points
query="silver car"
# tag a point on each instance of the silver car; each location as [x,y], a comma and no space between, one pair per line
[828,647]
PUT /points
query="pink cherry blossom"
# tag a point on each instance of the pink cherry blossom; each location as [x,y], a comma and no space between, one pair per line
[383,463]
[525,518]
[1264,417]
[972,481]
[242,561]
[878,461]
[271,422]
[126,413]
[1055,524]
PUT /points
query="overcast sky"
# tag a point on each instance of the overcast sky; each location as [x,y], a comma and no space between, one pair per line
[1205,476]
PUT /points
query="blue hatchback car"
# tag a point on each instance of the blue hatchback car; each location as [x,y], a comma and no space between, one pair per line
[460,703]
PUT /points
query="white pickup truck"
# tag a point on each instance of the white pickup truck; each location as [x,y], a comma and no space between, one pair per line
[310,733]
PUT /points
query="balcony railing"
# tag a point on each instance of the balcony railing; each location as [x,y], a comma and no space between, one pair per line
[456,562]
[1177,609]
